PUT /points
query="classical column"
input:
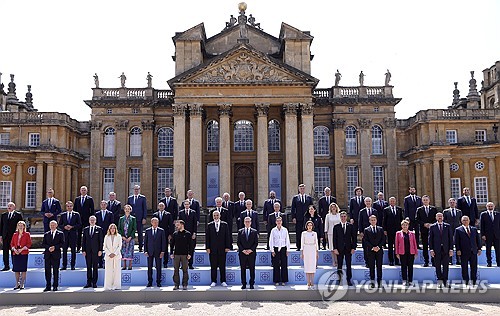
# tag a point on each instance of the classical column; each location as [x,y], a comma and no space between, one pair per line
[392,179]
[262,153]
[419,181]
[19,186]
[291,159]
[196,150]
[121,170]
[96,150]
[365,151]
[147,162]
[50,176]
[467,183]
[39,184]
[224,148]
[438,202]
[338,188]
[446,180]
[74,183]
[67,184]
[180,158]
[307,146]
[493,190]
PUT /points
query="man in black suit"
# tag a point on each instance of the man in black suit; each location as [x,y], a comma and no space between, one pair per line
[239,206]
[468,206]
[217,243]
[364,221]
[453,216]
[426,216]
[171,205]
[268,209]
[248,239]
[104,219]
[374,241]
[140,211]
[300,206]
[490,232]
[166,222]
[194,204]
[380,204]
[271,218]
[115,207]
[224,214]
[324,206]
[468,245]
[411,203]
[344,245]
[53,240]
[8,226]
[155,245]
[249,212]
[393,215]
[191,225]
[51,207]
[356,204]
[69,223]
[441,247]
[84,205]
[229,205]
[93,239]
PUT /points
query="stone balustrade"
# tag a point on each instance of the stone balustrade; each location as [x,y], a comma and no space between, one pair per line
[131,93]
[450,114]
[354,92]
[45,118]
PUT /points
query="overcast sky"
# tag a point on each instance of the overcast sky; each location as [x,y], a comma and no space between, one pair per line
[57,46]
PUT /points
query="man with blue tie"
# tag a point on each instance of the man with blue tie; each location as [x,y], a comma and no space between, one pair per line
[140,211]
[52,242]
[104,219]
[468,205]
[249,212]
[165,221]
[380,204]
[84,205]
[51,207]
[411,203]
[426,216]
[374,243]
[155,244]
[441,248]
[468,245]
[171,205]
[364,222]
[453,216]
[356,204]
[115,207]
[69,223]
[490,232]
[393,215]
[248,240]
[300,206]
[92,244]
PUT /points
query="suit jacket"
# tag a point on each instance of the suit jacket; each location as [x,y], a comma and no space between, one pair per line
[255,219]
[470,210]
[154,245]
[172,207]
[399,243]
[238,208]
[219,241]
[92,244]
[374,239]
[345,241]
[380,209]
[271,220]
[25,241]
[489,228]
[86,210]
[438,240]
[269,208]
[453,221]
[132,227]
[225,215]
[48,242]
[55,209]
[8,226]
[410,207]
[355,207]
[318,224]
[324,206]
[391,221]
[116,209]
[190,222]
[195,206]
[139,208]
[299,208]
[250,243]
[467,245]
[364,219]
[166,222]
[230,207]
[423,218]
[75,221]
[108,220]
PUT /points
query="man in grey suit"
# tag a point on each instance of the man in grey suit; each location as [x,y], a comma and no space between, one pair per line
[452,216]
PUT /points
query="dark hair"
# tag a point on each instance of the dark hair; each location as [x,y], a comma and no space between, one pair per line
[181,222]
[307,223]
[358,188]
[315,211]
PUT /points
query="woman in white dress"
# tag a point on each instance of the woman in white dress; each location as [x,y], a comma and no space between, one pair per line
[309,253]
[332,219]
[112,250]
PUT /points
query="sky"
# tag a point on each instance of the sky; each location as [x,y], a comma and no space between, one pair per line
[57,46]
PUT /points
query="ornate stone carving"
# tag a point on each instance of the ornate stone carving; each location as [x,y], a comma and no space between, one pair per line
[225,109]
[290,108]
[390,122]
[338,123]
[179,109]
[122,125]
[307,108]
[262,109]
[148,125]
[195,109]
[95,125]
[364,122]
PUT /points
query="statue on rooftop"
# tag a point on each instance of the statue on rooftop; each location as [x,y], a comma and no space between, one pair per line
[123,78]
[387,77]
[149,78]
[338,76]
[251,20]
[232,22]
[96,81]
[361,79]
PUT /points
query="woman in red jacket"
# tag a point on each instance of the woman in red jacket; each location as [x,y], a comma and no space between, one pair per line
[20,246]
[406,251]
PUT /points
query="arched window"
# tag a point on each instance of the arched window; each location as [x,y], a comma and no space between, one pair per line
[109,142]
[321,141]
[377,147]
[243,136]
[273,135]
[213,136]
[165,142]
[351,141]
[135,142]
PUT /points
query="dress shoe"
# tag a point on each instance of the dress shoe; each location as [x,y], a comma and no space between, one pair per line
[100,266]
[158,284]
[46,289]
[391,263]
[349,283]
[176,287]
[7,268]
[283,283]
[130,268]
[165,266]
[244,286]
[94,286]
[72,268]
[149,285]
[488,265]
[426,264]
[18,286]
[54,289]
[191,267]
[224,284]
[276,284]
[124,268]
[63,268]
[140,250]
[372,285]
[251,287]
[185,287]
[87,286]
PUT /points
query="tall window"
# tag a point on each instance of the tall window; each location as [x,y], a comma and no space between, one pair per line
[273,135]
[352,180]
[213,136]
[34,139]
[451,136]
[243,136]
[30,201]
[165,142]
[109,142]
[321,141]
[321,180]
[4,139]
[481,189]
[480,136]
[5,193]
[378,180]
[108,182]
[165,179]
[351,141]
[135,142]
[377,147]
[134,178]
[455,188]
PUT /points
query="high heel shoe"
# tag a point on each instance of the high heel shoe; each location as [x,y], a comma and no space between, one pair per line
[18,286]
[22,285]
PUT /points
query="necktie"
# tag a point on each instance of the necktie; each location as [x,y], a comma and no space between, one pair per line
[241,203]
[276,214]
[468,200]
[188,213]
[359,200]
[113,203]
[53,235]
[161,216]
[343,226]
[217,227]
[394,211]
[453,212]
[10,215]
[369,212]
[441,228]
[135,199]
[248,232]
[50,202]
[168,201]
[103,215]
[373,229]
[491,215]
[91,231]
[69,218]
[82,201]
[413,198]
[468,231]
[328,200]
[154,232]
[427,211]
[303,199]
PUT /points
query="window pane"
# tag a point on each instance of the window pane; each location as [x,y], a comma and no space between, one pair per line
[352,180]
[377,140]
[134,179]
[480,136]
[165,142]
[165,179]
[108,182]
[109,142]
[135,142]
[481,189]
[34,139]
[273,136]
[243,136]
[213,136]
[378,180]
[321,180]
[30,194]
[321,141]
[5,193]
[451,136]
[4,139]
[455,188]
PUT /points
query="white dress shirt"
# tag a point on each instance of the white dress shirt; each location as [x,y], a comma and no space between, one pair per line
[279,238]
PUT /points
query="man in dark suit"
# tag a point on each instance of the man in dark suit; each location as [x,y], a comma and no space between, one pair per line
[166,222]
[69,223]
[171,205]
[51,207]
[324,206]
[380,204]
[155,244]
[249,212]
[441,247]
[468,245]
[300,206]
[84,205]
[8,226]
[356,204]
[364,221]
[115,207]
[468,206]
[53,240]
[140,211]
[104,219]
[453,216]
[374,241]
[393,215]
[271,218]
[240,206]
[268,209]
[217,244]
[411,203]
[191,225]
[344,245]
[229,205]
[194,204]
[92,243]
[490,232]
[426,216]
[224,213]
[248,239]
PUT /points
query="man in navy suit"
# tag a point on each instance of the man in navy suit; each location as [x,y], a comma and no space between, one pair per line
[155,245]
[393,215]
[51,207]
[115,207]
[364,221]
[239,206]
[271,218]
[300,206]
[171,205]
[468,245]
[53,240]
[84,205]
[374,243]
[8,226]
[227,203]
[344,245]
[104,219]
[411,203]
[224,213]
[468,206]
[356,204]
[490,232]
[426,216]
[166,222]
[191,225]
[194,204]
[249,212]
[140,211]
[92,244]
[268,209]
[217,244]
[69,223]
[248,240]
[380,204]
[324,206]
[453,216]
[441,247]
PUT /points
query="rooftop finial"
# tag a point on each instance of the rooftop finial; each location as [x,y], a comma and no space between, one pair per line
[29,97]
[242,7]
[11,94]
[456,94]
[1,85]
[472,87]
[242,22]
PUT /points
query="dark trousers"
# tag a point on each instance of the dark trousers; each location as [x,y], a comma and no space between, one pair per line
[85,223]
[247,261]
[414,226]
[495,243]
[442,264]
[193,245]
[158,264]
[469,258]
[140,233]
[92,261]
[280,265]
[407,266]
[178,260]
[69,241]
[424,233]
[344,254]
[6,250]
[52,269]
[365,251]
[391,239]
[299,228]
[217,260]
[268,229]
[375,260]
[165,257]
